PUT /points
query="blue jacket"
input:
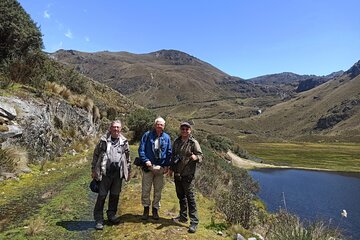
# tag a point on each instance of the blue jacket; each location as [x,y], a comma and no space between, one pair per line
[147,152]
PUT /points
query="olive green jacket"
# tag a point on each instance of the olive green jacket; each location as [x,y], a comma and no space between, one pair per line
[185,166]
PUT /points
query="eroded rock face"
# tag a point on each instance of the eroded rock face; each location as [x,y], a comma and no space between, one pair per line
[354,70]
[45,126]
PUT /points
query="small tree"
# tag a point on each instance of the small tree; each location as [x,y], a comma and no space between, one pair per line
[140,121]
[19,35]
[21,58]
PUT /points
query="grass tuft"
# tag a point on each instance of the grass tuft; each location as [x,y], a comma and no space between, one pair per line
[36,226]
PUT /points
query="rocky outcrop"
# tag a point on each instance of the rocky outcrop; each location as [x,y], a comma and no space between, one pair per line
[310,83]
[337,114]
[354,70]
[175,57]
[44,126]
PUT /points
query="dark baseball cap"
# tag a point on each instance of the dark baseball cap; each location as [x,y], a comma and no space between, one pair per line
[187,124]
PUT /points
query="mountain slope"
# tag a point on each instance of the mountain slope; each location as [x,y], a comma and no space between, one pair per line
[162,78]
[332,109]
[294,82]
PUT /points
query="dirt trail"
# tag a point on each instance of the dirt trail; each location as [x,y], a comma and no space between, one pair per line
[248,164]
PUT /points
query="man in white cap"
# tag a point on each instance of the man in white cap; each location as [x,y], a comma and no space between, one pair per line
[155,153]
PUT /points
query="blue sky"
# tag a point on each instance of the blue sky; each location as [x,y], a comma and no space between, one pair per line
[244,38]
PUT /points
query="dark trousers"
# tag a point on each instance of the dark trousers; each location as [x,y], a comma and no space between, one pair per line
[185,193]
[110,183]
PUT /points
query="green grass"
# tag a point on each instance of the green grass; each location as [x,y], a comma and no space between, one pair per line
[63,207]
[328,156]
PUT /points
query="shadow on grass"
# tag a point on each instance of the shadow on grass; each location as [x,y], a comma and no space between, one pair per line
[164,222]
[83,225]
[76,226]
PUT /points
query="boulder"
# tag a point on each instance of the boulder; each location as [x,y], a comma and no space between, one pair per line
[38,126]
[13,131]
[6,110]
[238,236]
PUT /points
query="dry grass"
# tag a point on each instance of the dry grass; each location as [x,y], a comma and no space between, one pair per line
[4,128]
[286,226]
[96,114]
[79,100]
[13,158]
[36,226]
[66,93]
[88,104]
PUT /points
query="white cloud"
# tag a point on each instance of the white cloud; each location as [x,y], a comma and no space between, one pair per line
[87,39]
[46,14]
[69,34]
[60,45]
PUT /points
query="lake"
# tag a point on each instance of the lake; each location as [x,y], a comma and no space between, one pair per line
[313,195]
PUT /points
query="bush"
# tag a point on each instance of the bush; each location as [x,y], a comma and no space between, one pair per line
[140,121]
[287,226]
[219,143]
[12,158]
[19,35]
[20,45]
[232,188]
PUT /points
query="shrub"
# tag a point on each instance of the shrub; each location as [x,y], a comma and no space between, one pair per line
[19,35]
[232,188]
[20,45]
[219,143]
[287,226]
[12,158]
[36,226]
[140,121]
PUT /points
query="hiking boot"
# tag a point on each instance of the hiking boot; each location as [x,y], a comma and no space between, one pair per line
[145,215]
[155,214]
[180,219]
[99,226]
[192,228]
[114,219]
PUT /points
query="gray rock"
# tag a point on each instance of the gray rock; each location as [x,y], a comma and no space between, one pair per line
[14,131]
[238,236]
[8,175]
[3,120]
[25,169]
[6,110]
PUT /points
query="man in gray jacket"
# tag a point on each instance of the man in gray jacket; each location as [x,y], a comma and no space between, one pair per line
[111,163]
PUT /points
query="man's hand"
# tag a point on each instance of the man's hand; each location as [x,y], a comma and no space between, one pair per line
[166,169]
[93,174]
[170,173]
[148,164]
[193,157]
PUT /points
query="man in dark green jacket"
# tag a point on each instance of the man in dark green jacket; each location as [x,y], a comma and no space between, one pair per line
[186,154]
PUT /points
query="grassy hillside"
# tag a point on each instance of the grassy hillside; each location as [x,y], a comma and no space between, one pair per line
[331,110]
[162,78]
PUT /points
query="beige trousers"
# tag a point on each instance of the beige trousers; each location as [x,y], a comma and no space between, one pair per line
[152,178]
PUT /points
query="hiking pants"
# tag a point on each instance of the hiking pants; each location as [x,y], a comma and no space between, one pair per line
[185,193]
[149,179]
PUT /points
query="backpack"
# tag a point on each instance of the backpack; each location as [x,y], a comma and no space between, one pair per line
[137,160]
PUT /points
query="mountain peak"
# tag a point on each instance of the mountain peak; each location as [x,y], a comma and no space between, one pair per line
[175,57]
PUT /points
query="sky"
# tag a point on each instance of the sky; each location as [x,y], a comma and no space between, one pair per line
[243,38]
